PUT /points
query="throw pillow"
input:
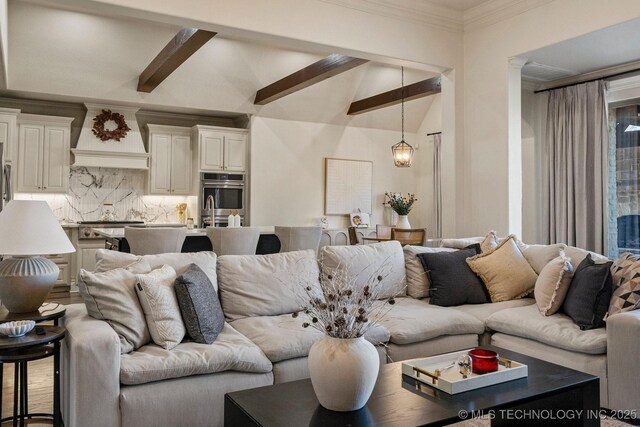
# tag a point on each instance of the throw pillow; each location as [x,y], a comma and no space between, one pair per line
[452,281]
[418,283]
[589,295]
[626,284]
[578,255]
[504,271]
[199,305]
[490,242]
[111,296]
[538,256]
[160,306]
[461,243]
[553,283]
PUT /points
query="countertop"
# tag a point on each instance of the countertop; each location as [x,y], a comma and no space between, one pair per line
[118,233]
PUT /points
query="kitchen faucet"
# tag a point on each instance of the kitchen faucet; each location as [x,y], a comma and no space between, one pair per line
[208,206]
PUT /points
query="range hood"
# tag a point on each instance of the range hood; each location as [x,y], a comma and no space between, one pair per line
[128,153]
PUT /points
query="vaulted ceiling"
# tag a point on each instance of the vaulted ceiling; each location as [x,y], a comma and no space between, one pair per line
[67,55]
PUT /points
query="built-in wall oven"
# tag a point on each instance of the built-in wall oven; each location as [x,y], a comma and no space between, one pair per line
[221,194]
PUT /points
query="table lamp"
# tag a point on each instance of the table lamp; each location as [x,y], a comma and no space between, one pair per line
[28,229]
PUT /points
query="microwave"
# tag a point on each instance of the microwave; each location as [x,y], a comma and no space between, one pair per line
[221,194]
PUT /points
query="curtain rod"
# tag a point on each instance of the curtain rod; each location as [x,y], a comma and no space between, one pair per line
[434,133]
[610,76]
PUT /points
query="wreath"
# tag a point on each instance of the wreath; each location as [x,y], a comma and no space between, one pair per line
[104,134]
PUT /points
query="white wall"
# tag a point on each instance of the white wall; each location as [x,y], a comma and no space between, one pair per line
[287,170]
[486,118]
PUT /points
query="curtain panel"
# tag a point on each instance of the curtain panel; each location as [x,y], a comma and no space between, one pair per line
[576,159]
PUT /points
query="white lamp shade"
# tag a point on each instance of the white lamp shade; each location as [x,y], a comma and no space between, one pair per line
[29,227]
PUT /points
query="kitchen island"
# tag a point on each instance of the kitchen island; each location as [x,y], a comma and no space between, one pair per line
[195,241]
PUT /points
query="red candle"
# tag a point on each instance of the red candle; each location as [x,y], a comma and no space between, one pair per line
[483,361]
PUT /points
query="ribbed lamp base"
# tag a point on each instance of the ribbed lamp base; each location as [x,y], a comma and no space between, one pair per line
[25,282]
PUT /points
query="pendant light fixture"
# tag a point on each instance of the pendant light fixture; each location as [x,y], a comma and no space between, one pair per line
[402,152]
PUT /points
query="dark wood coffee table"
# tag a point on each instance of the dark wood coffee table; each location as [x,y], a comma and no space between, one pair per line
[398,400]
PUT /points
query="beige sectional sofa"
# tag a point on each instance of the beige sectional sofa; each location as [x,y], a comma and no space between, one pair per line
[262,343]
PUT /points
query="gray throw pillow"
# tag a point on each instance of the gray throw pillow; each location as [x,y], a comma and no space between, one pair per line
[452,281]
[589,295]
[199,305]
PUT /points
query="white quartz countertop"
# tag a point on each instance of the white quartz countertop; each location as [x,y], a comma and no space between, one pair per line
[118,233]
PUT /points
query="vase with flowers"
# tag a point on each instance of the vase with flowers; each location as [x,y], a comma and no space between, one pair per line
[343,364]
[402,206]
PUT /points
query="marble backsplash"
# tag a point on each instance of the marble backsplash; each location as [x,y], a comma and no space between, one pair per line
[90,188]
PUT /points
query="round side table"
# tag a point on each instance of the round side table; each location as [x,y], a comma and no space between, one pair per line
[28,348]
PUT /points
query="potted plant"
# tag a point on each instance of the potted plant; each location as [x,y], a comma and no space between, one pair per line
[343,365]
[402,206]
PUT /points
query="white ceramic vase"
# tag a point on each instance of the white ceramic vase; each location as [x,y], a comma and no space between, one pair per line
[403,222]
[343,372]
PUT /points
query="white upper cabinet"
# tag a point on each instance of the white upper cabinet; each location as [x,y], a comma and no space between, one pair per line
[43,154]
[221,149]
[170,149]
[9,133]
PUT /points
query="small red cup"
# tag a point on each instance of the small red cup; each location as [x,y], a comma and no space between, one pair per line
[483,361]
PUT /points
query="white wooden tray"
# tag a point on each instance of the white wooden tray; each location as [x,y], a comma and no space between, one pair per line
[451,380]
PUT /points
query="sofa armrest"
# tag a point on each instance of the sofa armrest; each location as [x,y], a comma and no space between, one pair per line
[90,368]
[623,370]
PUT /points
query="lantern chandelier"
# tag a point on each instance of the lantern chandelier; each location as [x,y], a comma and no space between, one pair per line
[402,152]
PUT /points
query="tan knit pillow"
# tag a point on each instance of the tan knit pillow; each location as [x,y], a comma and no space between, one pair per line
[553,284]
[504,271]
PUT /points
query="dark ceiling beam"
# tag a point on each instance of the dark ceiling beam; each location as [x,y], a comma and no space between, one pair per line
[393,97]
[328,67]
[178,50]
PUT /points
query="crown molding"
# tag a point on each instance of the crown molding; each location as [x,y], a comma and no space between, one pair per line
[409,11]
[493,11]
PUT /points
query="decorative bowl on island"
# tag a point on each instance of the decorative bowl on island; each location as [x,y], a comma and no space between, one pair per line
[17,328]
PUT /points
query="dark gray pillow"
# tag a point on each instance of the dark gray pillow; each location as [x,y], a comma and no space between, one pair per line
[199,305]
[587,301]
[452,281]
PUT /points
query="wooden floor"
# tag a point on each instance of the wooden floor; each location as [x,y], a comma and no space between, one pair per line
[40,378]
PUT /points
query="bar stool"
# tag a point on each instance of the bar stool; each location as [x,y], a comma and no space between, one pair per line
[298,238]
[155,240]
[234,240]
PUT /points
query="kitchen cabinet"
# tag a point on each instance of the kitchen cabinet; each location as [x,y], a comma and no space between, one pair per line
[170,149]
[9,133]
[221,149]
[43,153]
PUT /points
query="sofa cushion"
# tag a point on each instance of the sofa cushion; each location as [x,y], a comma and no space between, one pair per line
[452,281]
[157,297]
[587,301]
[578,255]
[504,271]
[232,351]
[410,320]
[557,330]
[180,262]
[540,255]
[283,337]
[553,284]
[361,263]
[111,296]
[266,285]
[483,311]
[417,279]
[461,243]
[199,305]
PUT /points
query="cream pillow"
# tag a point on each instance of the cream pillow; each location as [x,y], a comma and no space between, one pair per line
[160,306]
[490,242]
[504,271]
[417,279]
[111,296]
[553,284]
[540,255]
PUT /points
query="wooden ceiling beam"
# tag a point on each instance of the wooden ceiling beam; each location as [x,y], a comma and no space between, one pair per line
[174,54]
[413,91]
[328,67]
